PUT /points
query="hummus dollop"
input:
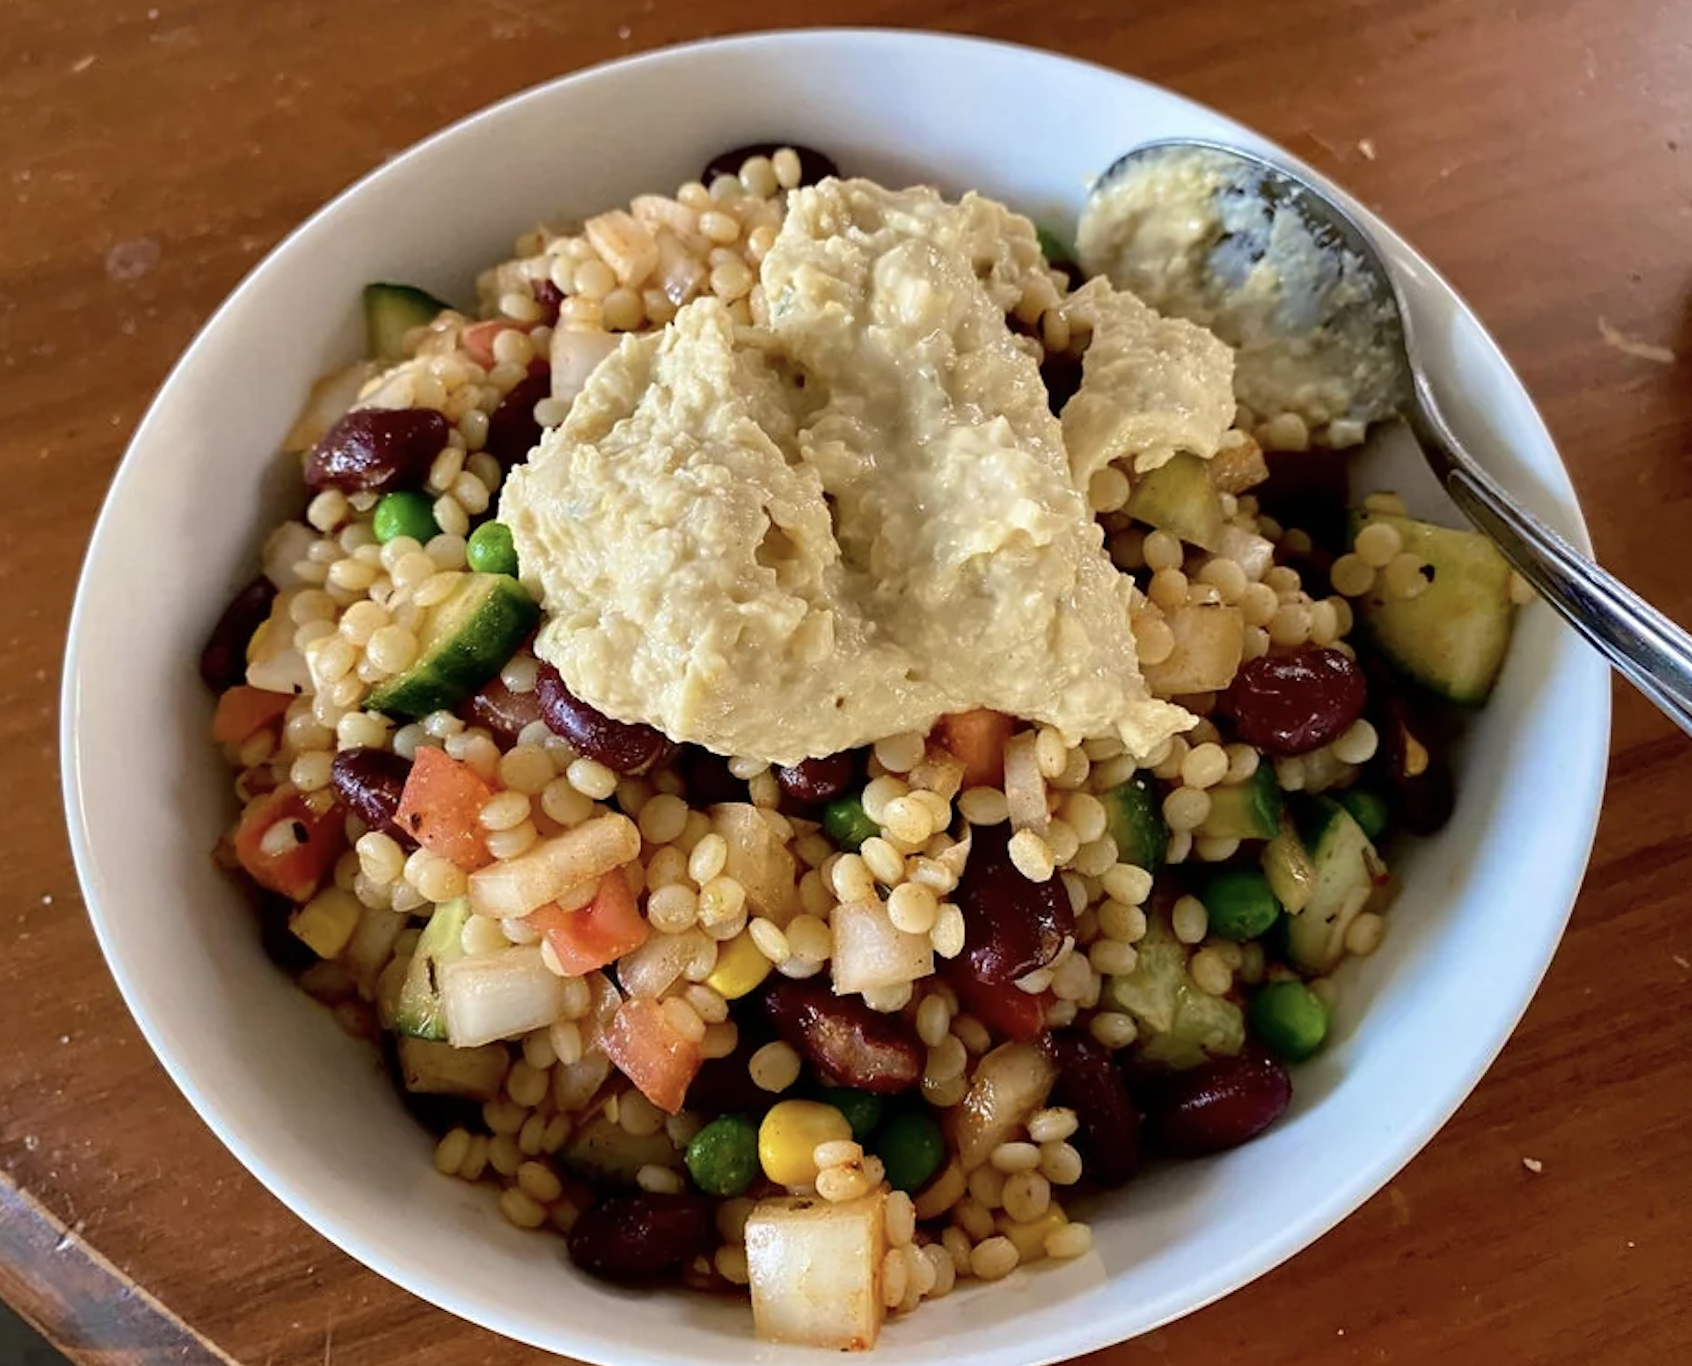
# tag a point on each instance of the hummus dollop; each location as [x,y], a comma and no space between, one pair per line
[790,540]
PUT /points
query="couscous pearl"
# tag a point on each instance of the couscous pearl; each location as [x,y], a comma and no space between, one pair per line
[1186,808]
[1377,544]
[1204,766]
[1162,551]
[1357,745]
[1190,920]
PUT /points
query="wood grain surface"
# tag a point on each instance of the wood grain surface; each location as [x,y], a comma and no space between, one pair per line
[1539,151]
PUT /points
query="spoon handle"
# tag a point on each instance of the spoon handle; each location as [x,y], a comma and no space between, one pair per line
[1643,645]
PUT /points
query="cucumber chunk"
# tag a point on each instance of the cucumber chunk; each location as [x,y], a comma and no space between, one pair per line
[1180,1025]
[1286,863]
[463,642]
[390,311]
[1452,637]
[1246,811]
[1345,865]
[604,1153]
[418,1014]
[1180,498]
[1135,821]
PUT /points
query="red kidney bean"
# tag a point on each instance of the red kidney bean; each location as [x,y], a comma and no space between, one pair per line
[724,1086]
[223,661]
[631,1239]
[372,450]
[1012,925]
[1412,762]
[369,783]
[708,778]
[622,746]
[549,296]
[1219,1104]
[813,165]
[512,429]
[1090,1083]
[1292,704]
[502,711]
[811,782]
[844,1039]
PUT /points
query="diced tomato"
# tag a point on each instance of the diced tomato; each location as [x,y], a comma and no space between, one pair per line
[441,807]
[294,865]
[1004,1008]
[478,339]
[243,711]
[600,933]
[646,1049]
[978,738]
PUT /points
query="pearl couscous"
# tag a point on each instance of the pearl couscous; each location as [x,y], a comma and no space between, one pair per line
[901,1011]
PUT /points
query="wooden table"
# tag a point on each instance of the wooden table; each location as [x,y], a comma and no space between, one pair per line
[1539,151]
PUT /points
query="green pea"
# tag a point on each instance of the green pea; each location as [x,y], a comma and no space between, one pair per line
[1290,1019]
[912,1148]
[1240,904]
[405,514]
[1366,808]
[862,1110]
[723,1157]
[490,550]
[844,822]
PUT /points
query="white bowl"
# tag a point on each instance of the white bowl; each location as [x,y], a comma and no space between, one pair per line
[302,1107]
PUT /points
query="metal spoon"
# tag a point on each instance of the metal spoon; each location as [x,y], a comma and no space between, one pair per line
[1643,645]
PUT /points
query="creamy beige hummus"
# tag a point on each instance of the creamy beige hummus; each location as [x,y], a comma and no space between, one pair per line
[787,541]
[1191,233]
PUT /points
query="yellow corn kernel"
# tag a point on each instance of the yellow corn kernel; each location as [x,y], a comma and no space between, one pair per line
[1030,1238]
[741,968]
[788,1138]
[326,922]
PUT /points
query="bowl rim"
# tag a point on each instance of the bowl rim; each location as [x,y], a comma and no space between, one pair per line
[1366,1180]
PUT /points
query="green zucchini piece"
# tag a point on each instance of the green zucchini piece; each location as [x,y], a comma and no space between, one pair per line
[390,311]
[1452,637]
[1180,498]
[463,642]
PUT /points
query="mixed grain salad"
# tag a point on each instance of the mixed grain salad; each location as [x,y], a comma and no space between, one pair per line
[841,1032]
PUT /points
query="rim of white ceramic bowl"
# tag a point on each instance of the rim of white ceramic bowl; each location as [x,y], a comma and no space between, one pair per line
[1585,788]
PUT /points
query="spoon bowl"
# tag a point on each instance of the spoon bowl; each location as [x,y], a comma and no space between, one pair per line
[1267,260]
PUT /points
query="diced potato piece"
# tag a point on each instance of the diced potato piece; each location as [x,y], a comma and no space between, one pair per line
[940,772]
[816,1270]
[520,886]
[1209,639]
[1239,466]
[758,860]
[1250,551]
[871,951]
[626,245]
[1010,1084]
[499,996]
[575,356]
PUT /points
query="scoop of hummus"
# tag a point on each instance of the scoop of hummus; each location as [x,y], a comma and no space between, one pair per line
[1193,234]
[787,541]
